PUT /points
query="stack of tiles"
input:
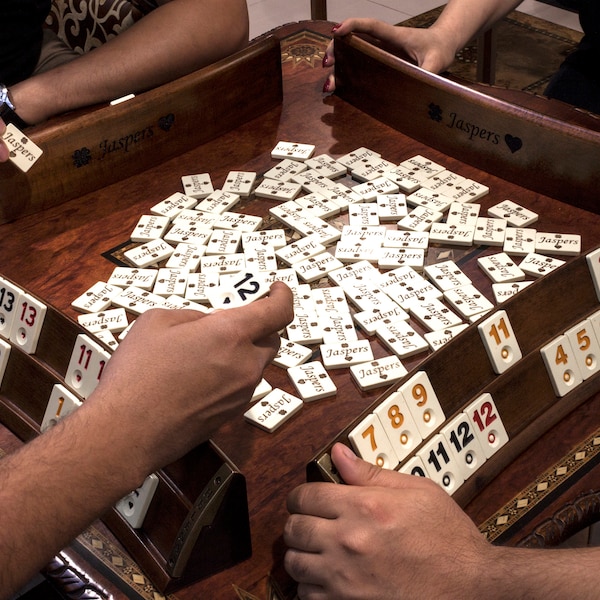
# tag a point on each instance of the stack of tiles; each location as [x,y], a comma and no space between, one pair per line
[351,237]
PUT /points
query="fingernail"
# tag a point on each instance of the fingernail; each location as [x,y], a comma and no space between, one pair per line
[347,452]
[326,86]
[335,27]
[326,61]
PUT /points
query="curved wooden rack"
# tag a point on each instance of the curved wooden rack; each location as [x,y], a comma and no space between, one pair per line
[538,149]
[382,103]
[197,522]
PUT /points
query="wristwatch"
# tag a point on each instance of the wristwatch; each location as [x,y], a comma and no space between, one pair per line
[7,109]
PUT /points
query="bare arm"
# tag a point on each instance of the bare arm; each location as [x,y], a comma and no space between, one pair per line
[173,40]
[387,535]
[433,48]
[176,377]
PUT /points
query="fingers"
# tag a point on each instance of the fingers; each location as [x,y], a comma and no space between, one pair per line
[355,471]
[317,498]
[308,570]
[267,315]
[304,533]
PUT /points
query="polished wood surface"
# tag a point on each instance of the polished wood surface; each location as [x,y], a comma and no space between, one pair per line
[57,254]
[91,148]
[541,150]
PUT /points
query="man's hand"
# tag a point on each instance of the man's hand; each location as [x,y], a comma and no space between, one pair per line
[384,535]
[178,375]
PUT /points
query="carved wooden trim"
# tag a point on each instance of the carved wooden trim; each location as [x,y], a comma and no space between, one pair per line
[71,582]
[573,517]
[579,459]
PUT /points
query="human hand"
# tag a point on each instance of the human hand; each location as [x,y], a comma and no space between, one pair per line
[3,146]
[429,48]
[384,535]
[178,375]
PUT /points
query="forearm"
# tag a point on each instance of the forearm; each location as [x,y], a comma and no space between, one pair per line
[462,20]
[548,574]
[175,39]
[55,486]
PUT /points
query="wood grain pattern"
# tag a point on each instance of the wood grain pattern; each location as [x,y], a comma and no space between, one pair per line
[57,255]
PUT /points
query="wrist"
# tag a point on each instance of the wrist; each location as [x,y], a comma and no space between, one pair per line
[8,109]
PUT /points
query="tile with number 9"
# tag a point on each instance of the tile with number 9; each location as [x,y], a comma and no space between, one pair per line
[423,403]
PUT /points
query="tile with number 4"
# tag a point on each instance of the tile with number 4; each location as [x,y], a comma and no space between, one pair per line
[560,361]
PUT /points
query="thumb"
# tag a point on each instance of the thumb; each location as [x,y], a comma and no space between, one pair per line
[355,471]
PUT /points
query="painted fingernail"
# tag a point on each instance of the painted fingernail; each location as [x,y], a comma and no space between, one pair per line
[326,61]
[326,86]
[335,27]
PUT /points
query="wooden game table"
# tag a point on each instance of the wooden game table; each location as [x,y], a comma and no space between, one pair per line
[61,248]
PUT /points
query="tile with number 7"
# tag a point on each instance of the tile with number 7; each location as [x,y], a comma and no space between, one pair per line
[371,443]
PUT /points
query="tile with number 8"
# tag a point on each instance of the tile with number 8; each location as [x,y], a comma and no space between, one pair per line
[399,425]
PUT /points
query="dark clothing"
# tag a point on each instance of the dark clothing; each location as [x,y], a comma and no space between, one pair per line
[578,79]
[21,24]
